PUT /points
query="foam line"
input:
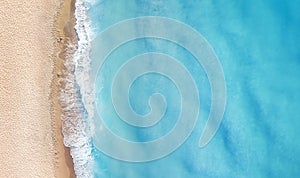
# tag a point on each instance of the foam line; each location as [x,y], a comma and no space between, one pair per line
[76,97]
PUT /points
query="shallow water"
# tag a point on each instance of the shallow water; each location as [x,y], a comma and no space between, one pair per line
[256,44]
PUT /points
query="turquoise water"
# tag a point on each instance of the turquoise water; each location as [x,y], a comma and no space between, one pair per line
[256,43]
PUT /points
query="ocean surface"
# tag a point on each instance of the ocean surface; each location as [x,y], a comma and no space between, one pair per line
[256,45]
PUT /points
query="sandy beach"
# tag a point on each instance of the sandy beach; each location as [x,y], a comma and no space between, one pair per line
[32,34]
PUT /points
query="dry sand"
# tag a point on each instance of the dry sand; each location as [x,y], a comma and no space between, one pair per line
[30,129]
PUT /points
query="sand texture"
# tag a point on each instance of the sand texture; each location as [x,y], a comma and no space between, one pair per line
[30,139]
[65,35]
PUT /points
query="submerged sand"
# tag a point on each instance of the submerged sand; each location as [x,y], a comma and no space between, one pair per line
[30,129]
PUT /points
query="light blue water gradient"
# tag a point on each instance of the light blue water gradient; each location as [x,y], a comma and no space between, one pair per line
[257,43]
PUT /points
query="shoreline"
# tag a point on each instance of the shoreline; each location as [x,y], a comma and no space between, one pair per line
[64,34]
[75,127]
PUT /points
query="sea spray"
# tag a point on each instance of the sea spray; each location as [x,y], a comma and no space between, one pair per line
[76,97]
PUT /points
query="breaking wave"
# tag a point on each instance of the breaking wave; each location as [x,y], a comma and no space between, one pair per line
[76,96]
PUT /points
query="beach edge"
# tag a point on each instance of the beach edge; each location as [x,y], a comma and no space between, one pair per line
[65,34]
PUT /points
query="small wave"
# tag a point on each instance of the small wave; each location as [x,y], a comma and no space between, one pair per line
[76,97]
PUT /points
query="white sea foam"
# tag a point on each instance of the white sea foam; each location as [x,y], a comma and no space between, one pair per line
[82,59]
[76,97]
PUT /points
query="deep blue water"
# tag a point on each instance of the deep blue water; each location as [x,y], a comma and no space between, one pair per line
[256,43]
